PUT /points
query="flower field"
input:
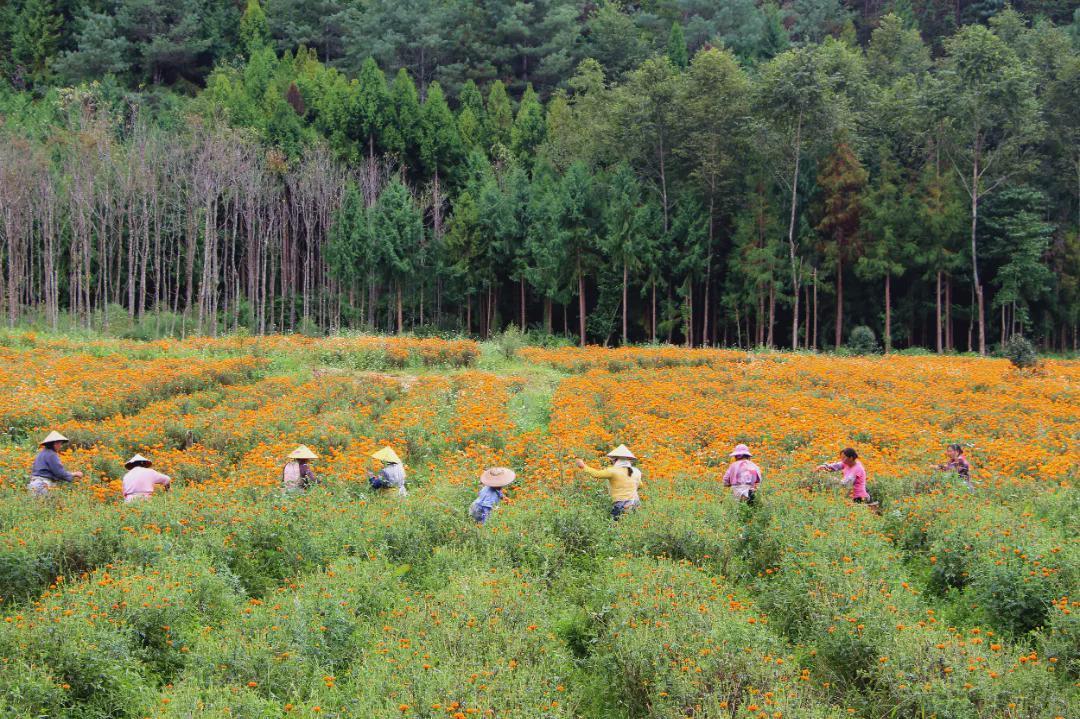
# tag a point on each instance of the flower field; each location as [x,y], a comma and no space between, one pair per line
[226,598]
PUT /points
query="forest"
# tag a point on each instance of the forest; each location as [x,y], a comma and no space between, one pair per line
[734,173]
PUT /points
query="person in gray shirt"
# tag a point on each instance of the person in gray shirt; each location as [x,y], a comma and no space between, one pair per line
[47,469]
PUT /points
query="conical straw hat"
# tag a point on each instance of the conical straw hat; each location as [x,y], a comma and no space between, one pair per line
[497,477]
[621,452]
[54,436]
[387,455]
[137,459]
[302,452]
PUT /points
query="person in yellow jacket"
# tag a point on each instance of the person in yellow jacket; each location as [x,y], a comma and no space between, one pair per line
[623,480]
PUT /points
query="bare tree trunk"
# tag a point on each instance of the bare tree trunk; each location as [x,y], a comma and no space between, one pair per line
[625,295]
[948,314]
[792,249]
[400,312]
[652,331]
[815,344]
[759,320]
[771,340]
[738,327]
[581,301]
[806,316]
[888,315]
[937,316]
[839,300]
[974,257]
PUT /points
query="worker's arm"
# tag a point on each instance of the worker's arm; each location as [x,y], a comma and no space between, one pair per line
[56,468]
[831,467]
[604,473]
[162,479]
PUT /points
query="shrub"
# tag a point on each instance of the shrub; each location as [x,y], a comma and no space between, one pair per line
[1020,351]
[510,340]
[862,341]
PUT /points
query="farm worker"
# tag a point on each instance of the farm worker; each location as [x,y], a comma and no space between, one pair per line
[140,479]
[492,481]
[957,463]
[391,478]
[742,475]
[623,480]
[297,474]
[47,468]
[854,474]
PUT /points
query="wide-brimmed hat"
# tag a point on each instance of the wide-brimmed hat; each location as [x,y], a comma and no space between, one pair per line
[497,477]
[53,436]
[387,455]
[621,452]
[741,449]
[137,459]
[302,452]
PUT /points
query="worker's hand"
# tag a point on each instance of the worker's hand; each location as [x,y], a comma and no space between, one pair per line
[822,468]
[77,475]
[580,463]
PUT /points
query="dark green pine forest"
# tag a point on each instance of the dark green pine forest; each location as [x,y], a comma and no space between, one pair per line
[736,173]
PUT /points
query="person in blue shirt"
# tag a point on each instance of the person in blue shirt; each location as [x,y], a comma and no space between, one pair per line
[47,469]
[491,493]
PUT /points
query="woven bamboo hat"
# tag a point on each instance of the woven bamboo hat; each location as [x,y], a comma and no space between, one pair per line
[497,477]
[621,452]
[136,460]
[302,452]
[54,436]
[387,455]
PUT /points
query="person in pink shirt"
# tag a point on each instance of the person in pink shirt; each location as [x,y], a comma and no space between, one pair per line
[854,474]
[140,479]
[742,475]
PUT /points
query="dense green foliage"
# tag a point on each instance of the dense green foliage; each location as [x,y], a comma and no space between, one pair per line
[731,173]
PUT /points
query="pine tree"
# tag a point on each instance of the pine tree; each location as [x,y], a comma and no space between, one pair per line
[676,47]
[530,127]
[500,115]
[624,227]
[397,229]
[441,149]
[402,132]
[887,229]
[841,179]
[254,28]
[470,119]
[34,40]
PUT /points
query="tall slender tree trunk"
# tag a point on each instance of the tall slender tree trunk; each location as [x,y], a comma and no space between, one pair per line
[581,302]
[738,328]
[888,315]
[974,257]
[625,296]
[400,310]
[806,316]
[652,332]
[839,300]
[937,321]
[771,341]
[759,320]
[948,314]
[791,235]
[522,287]
[815,344]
